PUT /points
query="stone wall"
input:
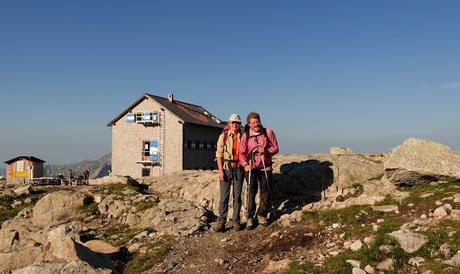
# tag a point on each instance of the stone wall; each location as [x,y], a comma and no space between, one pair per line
[127,142]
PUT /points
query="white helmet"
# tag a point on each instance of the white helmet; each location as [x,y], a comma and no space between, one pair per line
[234,118]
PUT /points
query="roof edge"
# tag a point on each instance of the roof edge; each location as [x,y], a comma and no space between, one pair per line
[29,157]
[118,117]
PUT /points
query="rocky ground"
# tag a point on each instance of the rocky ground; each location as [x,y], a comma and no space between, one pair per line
[335,213]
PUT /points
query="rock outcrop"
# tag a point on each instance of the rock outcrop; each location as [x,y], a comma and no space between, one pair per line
[340,151]
[301,176]
[418,161]
[74,267]
[57,208]
[410,242]
[172,217]
[63,245]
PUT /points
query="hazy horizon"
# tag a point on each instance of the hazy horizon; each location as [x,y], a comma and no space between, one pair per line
[364,75]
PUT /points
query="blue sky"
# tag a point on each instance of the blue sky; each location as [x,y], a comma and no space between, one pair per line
[361,74]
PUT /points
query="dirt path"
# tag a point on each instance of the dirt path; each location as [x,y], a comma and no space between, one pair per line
[236,252]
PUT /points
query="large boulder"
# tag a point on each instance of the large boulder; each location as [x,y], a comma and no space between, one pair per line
[63,245]
[99,246]
[193,186]
[23,254]
[113,206]
[303,177]
[418,161]
[299,178]
[16,230]
[109,180]
[410,242]
[75,267]
[57,208]
[340,151]
[172,217]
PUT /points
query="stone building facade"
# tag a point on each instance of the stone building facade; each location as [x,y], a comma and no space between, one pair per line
[157,135]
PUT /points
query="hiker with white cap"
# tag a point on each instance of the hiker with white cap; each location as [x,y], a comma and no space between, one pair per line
[230,172]
[257,146]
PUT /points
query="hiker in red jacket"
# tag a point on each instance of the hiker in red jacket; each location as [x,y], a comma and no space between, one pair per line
[257,146]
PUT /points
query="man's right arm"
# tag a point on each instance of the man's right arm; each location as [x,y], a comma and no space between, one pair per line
[242,151]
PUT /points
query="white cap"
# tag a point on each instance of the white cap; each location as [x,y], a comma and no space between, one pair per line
[234,118]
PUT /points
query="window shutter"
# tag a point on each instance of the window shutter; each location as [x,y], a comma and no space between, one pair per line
[131,118]
[153,150]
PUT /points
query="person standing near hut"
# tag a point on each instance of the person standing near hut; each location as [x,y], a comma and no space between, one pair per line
[257,146]
[230,172]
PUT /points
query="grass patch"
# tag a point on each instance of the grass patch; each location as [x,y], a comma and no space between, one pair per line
[440,191]
[118,235]
[389,200]
[439,235]
[391,224]
[90,207]
[437,267]
[436,237]
[141,206]
[156,253]
[8,212]
[359,188]
[306,267]
[354,217]
[116,189]
[344,215]
[367,255]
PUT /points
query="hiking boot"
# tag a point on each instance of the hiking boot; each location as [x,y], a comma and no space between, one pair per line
[250,224]
[237,226]
[262,220]
[220,226]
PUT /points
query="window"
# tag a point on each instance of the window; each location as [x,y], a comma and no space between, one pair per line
[197,145]
[145,151]
[150,151]
[188,144]
[209,146]
[143,117]
[213,146]
[145,172]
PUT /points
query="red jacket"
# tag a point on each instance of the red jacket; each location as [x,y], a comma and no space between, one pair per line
[249,145]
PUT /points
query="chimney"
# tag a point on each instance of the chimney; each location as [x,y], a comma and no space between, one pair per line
[171,97]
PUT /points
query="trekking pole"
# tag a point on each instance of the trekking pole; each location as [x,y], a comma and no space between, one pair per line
[248,189]
[268,185]
[250,154]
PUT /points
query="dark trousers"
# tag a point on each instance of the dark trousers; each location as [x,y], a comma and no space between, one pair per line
[235,177]
[259,181]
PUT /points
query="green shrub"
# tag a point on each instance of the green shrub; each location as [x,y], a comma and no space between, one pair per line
[156,253]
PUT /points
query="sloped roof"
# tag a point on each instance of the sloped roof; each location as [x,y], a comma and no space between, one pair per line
[188,113]
[30,158]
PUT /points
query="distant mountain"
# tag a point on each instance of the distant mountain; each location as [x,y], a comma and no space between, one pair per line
[2,171]
[97,168]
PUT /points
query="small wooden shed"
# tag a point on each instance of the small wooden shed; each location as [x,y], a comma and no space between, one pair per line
[22,169]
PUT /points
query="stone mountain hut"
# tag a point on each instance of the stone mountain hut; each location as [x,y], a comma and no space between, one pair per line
[22,169]
[157,135]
